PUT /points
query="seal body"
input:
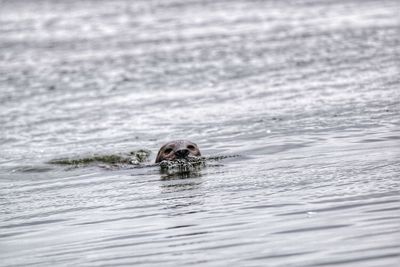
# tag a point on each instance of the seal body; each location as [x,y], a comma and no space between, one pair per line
[178,149]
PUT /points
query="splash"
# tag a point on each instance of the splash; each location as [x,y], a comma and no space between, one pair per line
[183,165]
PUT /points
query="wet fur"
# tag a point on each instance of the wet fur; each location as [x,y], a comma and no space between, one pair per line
[174,146]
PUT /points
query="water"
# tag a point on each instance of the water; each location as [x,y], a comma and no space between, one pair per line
[306,92]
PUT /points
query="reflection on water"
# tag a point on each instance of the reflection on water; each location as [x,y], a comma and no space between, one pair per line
[306,92]
[183,196]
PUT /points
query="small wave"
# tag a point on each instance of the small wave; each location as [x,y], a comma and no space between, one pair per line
[133,158]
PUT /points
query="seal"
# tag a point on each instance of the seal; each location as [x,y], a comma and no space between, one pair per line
[178,149]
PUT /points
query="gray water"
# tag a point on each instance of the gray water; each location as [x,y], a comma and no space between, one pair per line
[306,92]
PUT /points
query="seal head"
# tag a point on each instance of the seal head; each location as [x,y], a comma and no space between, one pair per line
[178,149]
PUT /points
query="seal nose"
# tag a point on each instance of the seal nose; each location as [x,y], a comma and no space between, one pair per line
[182,153]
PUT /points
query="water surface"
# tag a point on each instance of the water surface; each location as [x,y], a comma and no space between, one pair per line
[306,92]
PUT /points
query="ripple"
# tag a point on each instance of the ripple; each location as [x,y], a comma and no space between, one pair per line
[32,223]
[313,229]
[361,259]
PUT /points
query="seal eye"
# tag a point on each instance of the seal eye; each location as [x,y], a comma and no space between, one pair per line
[167,151]
[191,147]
